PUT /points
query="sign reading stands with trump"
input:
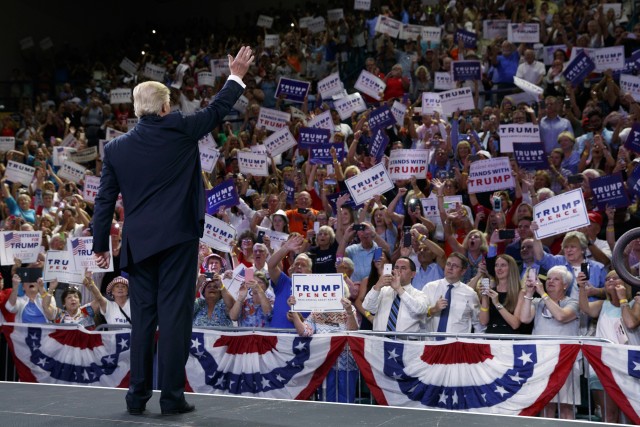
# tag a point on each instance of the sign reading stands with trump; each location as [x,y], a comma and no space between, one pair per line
[218,234]
[560,214]
[369,183]
[405,164]
[490,175]
[24,245]
[317,292]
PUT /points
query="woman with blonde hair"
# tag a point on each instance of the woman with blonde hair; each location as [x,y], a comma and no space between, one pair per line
[422,83]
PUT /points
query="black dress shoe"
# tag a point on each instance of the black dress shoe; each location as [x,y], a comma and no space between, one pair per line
[185,408]
[135,411]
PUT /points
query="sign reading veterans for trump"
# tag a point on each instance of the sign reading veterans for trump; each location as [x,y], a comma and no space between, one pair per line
[630,84]
[223,195]
[349,104]
[271,119]
[530,155]
[24,245]
[494,28]
[609,191]
[456,99]
[72,171]
[292,90]
[388,26]
[317,292]
[469,38]
[61,154]
[154,72]
[120,96]
[372,182]
[90,189]
[19,172]
[525,132]
[431,103]
[218,234]
[308,137]
[81,249]
[490,175]
[381,118]
[523,33]
[370,85]
[466,70]
[579,68]
[633,139]
[431,34]
[58,265]
[253,164]
[330,85]
[209,153]
[399,110]
[378,144]
[560,214]
[321,154]
[279,142]
[7,143]
[264,21]
[362,5]
[405,164]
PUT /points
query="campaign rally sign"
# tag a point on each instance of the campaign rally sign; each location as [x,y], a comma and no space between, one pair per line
[466,70]
[316,25]
[218,234]
[223,195]
[206,78]
[308,137]
[431,34]
[334,15]
[469,38]
[290,190]
[523,33]
[548,51]
[85,155]
[633,139]
[410,32]
[330,85]
[372,182]
[579,68]
[378,144]
[253,163]
[209,153]
[528,87]
[431,103]
[271,40]
[494,28]
[560,214]
[322,121]
[630,84]
[154,72]
[399,110]
[490,175]
[320,154]
[292,90]
[369,84]
[605,58]
[530,155]
[430,209]
[7,143]
[271,119]
[525,132]
[264,21]
[81,249]
[277,238]
[90,189]
[609,191]
[58,265]
[443,81]
[456,99]
[405,164]
[350,203]
[279,142]
[24,245]
[120,96]
[362,5]
[349,104]
[381,118]
[389,26]
[630,67]
[220,67]
[178,76]
[128,66]
[70,141]
[19,172]
[72,171]
[317,292]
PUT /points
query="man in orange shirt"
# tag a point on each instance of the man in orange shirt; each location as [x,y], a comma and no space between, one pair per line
[301,219]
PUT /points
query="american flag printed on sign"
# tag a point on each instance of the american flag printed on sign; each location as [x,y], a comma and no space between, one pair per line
[77,245]
[10,238]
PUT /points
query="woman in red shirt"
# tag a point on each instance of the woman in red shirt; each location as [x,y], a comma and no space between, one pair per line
[397,85]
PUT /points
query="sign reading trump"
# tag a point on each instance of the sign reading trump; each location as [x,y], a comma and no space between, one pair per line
[490,175]
[317,292]
[560,214]
[369,183]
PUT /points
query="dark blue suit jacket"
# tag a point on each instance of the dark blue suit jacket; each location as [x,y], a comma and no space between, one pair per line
[156,167]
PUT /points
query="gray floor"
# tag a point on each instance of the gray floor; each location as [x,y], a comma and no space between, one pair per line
[25,404]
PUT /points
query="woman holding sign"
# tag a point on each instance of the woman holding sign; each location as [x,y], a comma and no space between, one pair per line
[342,379]
[21,208]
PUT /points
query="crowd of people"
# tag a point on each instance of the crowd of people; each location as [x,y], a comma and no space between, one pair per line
[456,272]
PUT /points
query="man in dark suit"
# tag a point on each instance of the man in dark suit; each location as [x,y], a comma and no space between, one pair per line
[156,167]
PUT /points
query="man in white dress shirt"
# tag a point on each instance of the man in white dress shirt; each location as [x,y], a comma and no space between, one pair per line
[453,306]
[404,315]
[531,70]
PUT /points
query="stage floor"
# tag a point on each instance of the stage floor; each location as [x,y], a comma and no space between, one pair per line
[25,404]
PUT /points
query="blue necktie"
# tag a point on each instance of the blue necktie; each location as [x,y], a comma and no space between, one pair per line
[444,314]
[393,314]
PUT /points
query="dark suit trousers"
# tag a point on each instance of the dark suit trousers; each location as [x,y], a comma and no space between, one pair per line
[162,293]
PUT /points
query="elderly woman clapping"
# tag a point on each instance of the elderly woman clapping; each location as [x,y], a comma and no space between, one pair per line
[212,308]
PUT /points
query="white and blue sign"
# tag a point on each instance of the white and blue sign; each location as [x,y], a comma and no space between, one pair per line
[633,139]
[290,191]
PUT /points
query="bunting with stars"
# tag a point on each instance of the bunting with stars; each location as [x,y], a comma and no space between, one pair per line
[512,378]
[618,368]
[53,355]
[278,366]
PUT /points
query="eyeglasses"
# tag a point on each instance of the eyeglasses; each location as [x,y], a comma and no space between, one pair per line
[452,265]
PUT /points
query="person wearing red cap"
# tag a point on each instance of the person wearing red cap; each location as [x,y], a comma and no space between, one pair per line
[597,249]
